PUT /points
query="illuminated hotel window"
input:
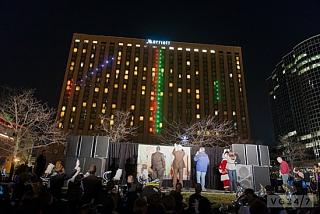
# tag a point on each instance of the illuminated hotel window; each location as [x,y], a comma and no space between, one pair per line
[197,72]
[132,107]
[180,76]
[84,50]
[111,122]
[92,56]
[153,69]
[225,113]
[170,84]
[137,45]
[108,75]
[115,85]
[94,105]
[71,119]
[237,58]
[144,68]
[71,68]
[197,91]
[62,114]
[188,49]
[171,70]
[160,125]
[77,88]
[204,51]
[151,119]
[198,116]
[127,63]
[131,123]
[75,50]
[144,78]
[233,113]
[117,71]
[161,93]
[143,87]
[238,63]
[136,59]
[129,44]
[188,76]
[238,67]
[198,106]
[196,50]
[77,40]
[135,73]
[239,75]
[86,41]
[126,77]
[179,89]
[94,42]
[114,106]
[197,96]
[72,63]
[91,126]
[63,108]
[188,62]
[74,108]
[112,116]
[212,51]
[103,111]
[230,75]
[215,112]
[121,44]
[240,89]
[60,125]
[118,62]
[171,48]
[84,104]
[90,65]
[179,49]
[188,90]
[152,98]
[151,129]
[96,89]
[127,72]
[142,92]
[81,64]
[124,86]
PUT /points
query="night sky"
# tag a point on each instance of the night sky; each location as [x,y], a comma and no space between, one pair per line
[36,37]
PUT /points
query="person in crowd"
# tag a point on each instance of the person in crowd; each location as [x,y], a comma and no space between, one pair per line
[91,185]
[178,164]
[316,170]
[176,194]
[202,161]
[195,198]
[169,204]
[255,204]
[158,165]
[223,169]
[57,180]
[231,168]
[284,170]
[40,165]
[140,206]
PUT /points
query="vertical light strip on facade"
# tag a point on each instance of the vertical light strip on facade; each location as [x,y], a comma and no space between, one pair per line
[216,90]
[153,103]
[159,92]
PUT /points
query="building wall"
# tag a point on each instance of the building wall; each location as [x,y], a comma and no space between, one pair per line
[294,91]
[164,81]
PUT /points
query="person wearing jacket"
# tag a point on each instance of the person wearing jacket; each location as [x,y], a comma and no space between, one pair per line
[202,160]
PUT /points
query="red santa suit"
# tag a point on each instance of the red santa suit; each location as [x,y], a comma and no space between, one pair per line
[223,171]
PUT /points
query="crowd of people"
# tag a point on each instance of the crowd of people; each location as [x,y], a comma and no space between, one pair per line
[51,190]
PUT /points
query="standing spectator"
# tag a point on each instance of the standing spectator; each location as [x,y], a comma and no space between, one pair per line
[91,185]
[195,198]
[284,170]
[202,160]
[57,180]
[40,164]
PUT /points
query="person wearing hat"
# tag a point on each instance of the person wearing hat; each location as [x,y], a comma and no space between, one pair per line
[223,169]
[158,165]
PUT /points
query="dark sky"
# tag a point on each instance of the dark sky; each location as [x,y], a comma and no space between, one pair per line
[35,38]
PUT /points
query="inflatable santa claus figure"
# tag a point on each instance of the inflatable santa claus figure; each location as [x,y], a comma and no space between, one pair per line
[223,169]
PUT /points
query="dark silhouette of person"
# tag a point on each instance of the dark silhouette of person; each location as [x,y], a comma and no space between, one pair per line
[92,186]
[40,164]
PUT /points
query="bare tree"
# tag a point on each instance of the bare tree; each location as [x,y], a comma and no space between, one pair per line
[206,132]
[31,122]
[292,150]
[116,127]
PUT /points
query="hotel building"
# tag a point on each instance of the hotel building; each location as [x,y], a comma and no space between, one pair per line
[157,81]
